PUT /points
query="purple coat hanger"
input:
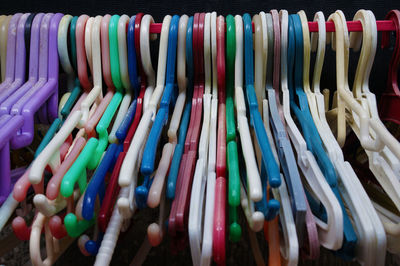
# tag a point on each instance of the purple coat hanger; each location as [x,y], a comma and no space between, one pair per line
[5,107]
[30,103]
[20,60]
[12,34]
[41,114]
[10,126]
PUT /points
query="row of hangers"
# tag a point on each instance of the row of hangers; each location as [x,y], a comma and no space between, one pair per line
[240,124]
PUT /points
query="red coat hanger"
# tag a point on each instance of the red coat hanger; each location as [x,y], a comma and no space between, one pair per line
[113,187]
[219,228]
[390,99]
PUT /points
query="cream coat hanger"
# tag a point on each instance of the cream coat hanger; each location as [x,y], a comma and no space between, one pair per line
[372,239]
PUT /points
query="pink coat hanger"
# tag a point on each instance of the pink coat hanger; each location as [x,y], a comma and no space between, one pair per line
[180,206]
[219,229]
[113,188]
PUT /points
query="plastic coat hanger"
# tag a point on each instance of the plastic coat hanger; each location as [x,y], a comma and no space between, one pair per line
[42,203]
[48,112]
[383,172]
[53,226]
[309,131]
[95,146]
[271,228]
[65,62]
[180,206]
[111,235]
[10,127]
[345,99]
[53,248]
[290,244]
[113,188]
[220,164]
[11,50]
[217,33]
[350,238]
[97,183]
[370,230]
[123,64]
[389,152]
[125,205]
[43,115]
[4,41]
[196,210]
[95,93]
[79,144]
[20,57]
[3,46]
[169,149]
[232,151]
[77,86]
[147,165]
[51,153]
[27,38]
[344,170]
[58,229]
[6,185]
[271,166]
[368,101]
[219,230]
[174,182]
[7,105]
[390,97]
[253,182]
[73,82]
[259,84]
[22,185]
[27,106]
[179,149]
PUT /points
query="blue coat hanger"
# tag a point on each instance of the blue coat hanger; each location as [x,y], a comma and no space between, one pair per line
[272,169]
[147,166]
[312,138]
[179,148]
[97,184]
[284,148]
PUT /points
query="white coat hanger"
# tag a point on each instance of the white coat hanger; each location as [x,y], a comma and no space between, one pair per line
[127,175]
[380,168]
[305,159]
[207,241]
[254,182]
[331,233]
[156,195]
[93,53]
[372,239]
[200,176]
[254,188]
[123,68]
[51,153]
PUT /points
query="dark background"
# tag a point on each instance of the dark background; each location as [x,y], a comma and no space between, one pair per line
[240,253]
